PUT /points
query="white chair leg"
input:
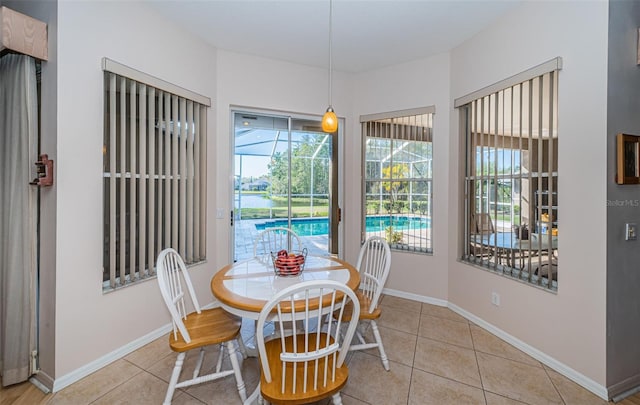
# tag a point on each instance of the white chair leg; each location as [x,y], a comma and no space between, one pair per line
[254,395]
[174,378]
[383,355]
[196,370]
[337,399]
[242,347]
[236,370]
[220,356]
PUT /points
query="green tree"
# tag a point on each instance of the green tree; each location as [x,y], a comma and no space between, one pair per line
[312,150]
[395,186]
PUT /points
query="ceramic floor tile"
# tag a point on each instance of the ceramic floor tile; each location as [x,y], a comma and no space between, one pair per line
[572,393]
[495,399]
[164,367]
[144,387]
[399,319]
[150,353]
[348,400]
[370,383]
[486,342]
[182,398]
[516,380]
[427,388]
[432,359]
[450,361]
[442,312]
[389,301]
[97,384]
[399,346]
[445,330]
[222,391]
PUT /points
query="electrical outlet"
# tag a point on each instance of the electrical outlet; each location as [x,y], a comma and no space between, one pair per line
[630,232]
[495,299]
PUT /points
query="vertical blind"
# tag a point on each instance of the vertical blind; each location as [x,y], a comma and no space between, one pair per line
[154,173]
[511,178]
[398,174]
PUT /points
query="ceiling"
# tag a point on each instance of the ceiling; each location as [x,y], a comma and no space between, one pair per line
[366,34]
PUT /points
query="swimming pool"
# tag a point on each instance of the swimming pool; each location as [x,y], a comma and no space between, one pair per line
[320,226]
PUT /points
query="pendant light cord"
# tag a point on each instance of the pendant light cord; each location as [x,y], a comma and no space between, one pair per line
[330,51]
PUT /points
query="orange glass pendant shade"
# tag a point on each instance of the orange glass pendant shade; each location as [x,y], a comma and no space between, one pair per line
[329,121]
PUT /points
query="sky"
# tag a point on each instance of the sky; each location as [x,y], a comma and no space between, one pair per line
[252,166]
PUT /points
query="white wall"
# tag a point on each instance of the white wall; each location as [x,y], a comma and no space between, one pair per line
[570,325]
[90,324]
[255,82]
[416,84]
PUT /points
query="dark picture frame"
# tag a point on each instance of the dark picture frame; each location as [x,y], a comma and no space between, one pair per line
[628,159]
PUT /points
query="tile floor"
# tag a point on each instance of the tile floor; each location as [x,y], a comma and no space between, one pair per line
[437,357]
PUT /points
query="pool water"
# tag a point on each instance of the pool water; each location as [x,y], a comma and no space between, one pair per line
[320,226]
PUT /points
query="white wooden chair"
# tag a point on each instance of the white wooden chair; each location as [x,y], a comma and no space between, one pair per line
[374,262]
[308,365]
[275,239]
[197,329]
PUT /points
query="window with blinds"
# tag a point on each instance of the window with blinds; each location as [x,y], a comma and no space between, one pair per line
[397,178]
[511,178]
[154,173]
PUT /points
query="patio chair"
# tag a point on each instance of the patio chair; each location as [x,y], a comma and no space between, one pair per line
[481,223]
[480,227]
[197,329]
[374,263]
[309,364]
[547,266]
[275,239]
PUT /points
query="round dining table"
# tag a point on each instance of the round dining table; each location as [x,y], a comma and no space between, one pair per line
[244,287]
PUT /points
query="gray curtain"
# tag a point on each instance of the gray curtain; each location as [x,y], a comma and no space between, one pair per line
[18,150]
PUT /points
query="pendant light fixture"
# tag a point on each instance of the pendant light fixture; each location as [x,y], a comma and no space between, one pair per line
[330,120]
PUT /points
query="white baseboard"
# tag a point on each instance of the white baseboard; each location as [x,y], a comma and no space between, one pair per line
[547,360]
[415,297]
[108,358]
[542,357]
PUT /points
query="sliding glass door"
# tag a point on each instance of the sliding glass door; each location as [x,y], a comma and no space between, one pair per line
[285,171]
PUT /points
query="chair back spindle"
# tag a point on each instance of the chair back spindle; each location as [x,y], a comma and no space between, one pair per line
[171,271]
[276,239]
[309,360]
[374,262]
[198,329]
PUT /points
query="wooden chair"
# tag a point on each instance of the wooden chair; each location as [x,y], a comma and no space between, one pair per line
[374,262]
[307,365]
[197,329]
[275,239]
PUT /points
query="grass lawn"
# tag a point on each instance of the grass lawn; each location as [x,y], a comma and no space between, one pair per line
[281,212]
[300,207]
